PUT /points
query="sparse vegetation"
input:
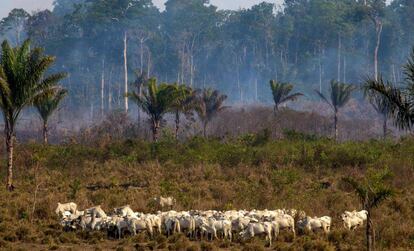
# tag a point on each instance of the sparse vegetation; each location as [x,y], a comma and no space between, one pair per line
[206,173]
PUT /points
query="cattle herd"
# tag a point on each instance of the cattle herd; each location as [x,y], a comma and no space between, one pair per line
[196,224]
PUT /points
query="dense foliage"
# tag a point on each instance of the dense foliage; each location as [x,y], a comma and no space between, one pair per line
[192,42]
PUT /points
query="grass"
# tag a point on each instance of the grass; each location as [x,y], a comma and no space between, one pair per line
[249,172]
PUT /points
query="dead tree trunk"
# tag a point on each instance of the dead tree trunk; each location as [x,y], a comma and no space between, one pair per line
[103,89]
[339,56]
[125,73]
[45,132]
[378,29]
[10,147]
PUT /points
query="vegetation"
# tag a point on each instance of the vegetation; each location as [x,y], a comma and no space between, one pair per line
[282,93]
[204,174]
[155,102]
[208,104]
[22,80]
[399,99]
[372,191]
[380,102]
[47,104]
[340,94]
[196,45]
[235,51]
[184,102]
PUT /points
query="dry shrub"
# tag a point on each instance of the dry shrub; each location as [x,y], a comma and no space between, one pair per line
[193,248]
[253,247]
[178,242]
[68,237]
[207,246]
[317,245]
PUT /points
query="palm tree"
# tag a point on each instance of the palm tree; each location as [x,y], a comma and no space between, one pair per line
[340,95]
[155,101]
[378,101]
[184,99]
[140,81]
[281,93]
[209,103]
[400,100]
[47,104]
[372,190]
[22,79]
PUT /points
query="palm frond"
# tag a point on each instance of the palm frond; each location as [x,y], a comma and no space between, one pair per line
[324,99]
[398,102]
[380,196]
[281,93]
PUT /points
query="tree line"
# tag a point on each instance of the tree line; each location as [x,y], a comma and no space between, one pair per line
[307,42]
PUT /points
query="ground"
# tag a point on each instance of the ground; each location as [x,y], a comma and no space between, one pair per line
[249,172]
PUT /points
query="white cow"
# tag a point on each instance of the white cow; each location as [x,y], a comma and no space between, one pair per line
[354,219]
[155,221]
[239,224]
[207,230]
[224,227]
[286,222]
[165,202]
[125,211]
[119,223]
[140,225]
[97,210]
[70,207]
[256,229]
[315,224]
[187,223]
[172,225]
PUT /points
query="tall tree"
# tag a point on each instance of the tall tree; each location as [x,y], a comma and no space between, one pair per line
[340,94]
[374,10]
[15,22]
[155,101]
[22,80]
[401,100]
[209,104]
[378,101]
[46,105]
[183,103]
[372,190]
[141,80]
[281,93]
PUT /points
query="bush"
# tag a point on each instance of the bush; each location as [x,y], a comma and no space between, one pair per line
[206,246]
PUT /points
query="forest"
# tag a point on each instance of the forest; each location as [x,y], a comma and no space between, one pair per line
[102,43]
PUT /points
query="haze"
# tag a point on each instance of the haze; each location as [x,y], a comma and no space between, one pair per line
[33,5]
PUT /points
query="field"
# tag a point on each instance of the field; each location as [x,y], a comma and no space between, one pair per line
[300,171]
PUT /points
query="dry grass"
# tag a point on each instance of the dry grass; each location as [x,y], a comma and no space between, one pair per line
[243,173]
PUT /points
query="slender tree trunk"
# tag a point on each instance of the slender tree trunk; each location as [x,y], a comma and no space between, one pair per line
[370,233]
[141,55]
[45,132]
[177,124]
[103,89]
[378,28]
[385,127]
[125,72]
[149,64]
[191,71]
[255,90]
[155,130]
[394,78]
[344,68]
[336,125]
[10,147]
[339,56]
[205,129]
